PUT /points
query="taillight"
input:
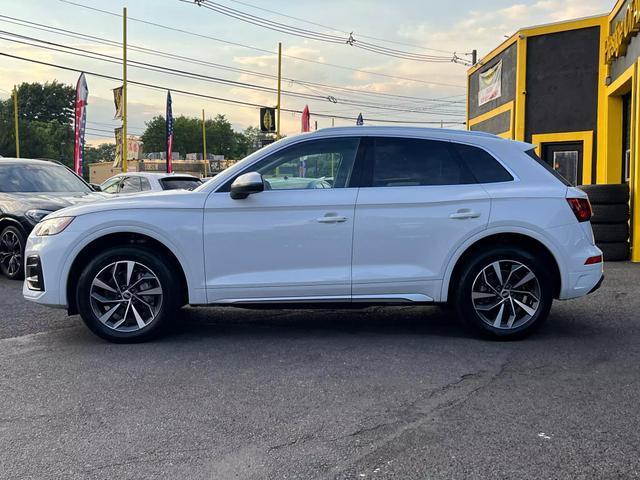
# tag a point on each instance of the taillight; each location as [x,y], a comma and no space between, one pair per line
[593,260]
[581,208]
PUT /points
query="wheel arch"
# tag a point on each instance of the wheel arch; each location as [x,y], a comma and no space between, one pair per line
[526,239]
[12,222]
[120,238]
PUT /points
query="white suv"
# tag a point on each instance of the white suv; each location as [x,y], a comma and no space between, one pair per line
[367,215]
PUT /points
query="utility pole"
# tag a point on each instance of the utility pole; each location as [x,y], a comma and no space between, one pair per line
[279,84]
[474,56]
[124,90]
[204,144]
[15,120]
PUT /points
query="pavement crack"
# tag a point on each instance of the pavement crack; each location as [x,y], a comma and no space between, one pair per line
[452,394]
[300,440]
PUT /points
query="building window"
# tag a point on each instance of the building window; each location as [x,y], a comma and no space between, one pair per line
[566,164]
[626,137]
[627,166]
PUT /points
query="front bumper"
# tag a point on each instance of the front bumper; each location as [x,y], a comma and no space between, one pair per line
[51,252]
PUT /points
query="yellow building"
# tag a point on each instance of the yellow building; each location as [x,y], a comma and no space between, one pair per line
[570,88]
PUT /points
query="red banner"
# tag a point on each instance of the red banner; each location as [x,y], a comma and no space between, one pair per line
[82,93]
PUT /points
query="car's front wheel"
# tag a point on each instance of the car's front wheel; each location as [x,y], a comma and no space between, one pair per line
[505,292]
[12,243]
[127,294]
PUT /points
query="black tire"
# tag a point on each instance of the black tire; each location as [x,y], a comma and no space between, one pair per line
[472,270]
[615,232]
[145,259]
[615,252]
[12,254]
[614,213]
[607,194]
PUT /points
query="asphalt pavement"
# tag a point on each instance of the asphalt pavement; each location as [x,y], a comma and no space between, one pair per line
[379,393]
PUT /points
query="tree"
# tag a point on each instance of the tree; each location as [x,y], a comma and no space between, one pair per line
[105,152]
[187,137]
[45,121]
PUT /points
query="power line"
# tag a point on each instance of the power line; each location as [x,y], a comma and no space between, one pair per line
[320,36]
[205,96]
[339,30]
[167,70]
[104,124]
[144,50]
[270,52]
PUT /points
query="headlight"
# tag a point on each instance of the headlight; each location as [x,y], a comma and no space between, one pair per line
[52,226]
[36,215]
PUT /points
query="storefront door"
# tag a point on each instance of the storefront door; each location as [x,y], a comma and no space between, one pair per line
[565,158]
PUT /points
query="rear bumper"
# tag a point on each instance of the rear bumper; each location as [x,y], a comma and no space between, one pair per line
[598,285]
[582,282]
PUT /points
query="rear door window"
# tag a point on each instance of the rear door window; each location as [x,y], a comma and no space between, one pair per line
[130,185]
[409,162]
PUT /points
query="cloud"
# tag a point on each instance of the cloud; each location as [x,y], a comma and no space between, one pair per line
[485,29]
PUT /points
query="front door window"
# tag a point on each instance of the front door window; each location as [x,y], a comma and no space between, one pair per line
[310,165]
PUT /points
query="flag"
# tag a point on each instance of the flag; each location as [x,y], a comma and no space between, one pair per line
[169,134]
[117,100]
[306,119]
[118,134]
[82,93]
[360,120]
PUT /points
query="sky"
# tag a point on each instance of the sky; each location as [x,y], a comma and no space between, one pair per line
[346,80]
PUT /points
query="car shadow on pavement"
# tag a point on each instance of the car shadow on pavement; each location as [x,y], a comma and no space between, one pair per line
[411,320]
[430,321]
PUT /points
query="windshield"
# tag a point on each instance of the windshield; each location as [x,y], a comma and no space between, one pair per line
[39,178]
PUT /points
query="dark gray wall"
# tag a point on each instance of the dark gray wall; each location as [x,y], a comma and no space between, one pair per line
[619,65]
[498,124]
[562,82]
[509,60]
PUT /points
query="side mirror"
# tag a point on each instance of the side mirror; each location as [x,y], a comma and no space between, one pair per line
[96,187]
[246,184]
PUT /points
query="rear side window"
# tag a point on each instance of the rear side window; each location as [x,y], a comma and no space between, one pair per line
[483,166]
[408,162]
[532,153]
[180,183]
[144,183]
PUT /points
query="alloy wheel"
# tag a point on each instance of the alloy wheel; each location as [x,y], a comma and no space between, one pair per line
[506,294]
[10,253]
[126,296]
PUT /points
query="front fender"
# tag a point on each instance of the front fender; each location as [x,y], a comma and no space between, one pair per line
[190,259]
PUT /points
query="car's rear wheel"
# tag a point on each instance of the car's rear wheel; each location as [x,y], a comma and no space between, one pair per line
[504,292]
[12,244]
[127,294]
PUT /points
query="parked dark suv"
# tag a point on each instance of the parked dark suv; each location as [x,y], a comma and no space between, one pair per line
[29,191]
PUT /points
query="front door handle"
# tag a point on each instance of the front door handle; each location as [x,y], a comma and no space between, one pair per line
[331,218]
[464,213]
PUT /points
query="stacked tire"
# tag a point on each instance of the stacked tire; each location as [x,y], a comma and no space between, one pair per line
[610,221]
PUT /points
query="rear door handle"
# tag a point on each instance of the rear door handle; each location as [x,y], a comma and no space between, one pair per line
[464,214]
[331,218]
